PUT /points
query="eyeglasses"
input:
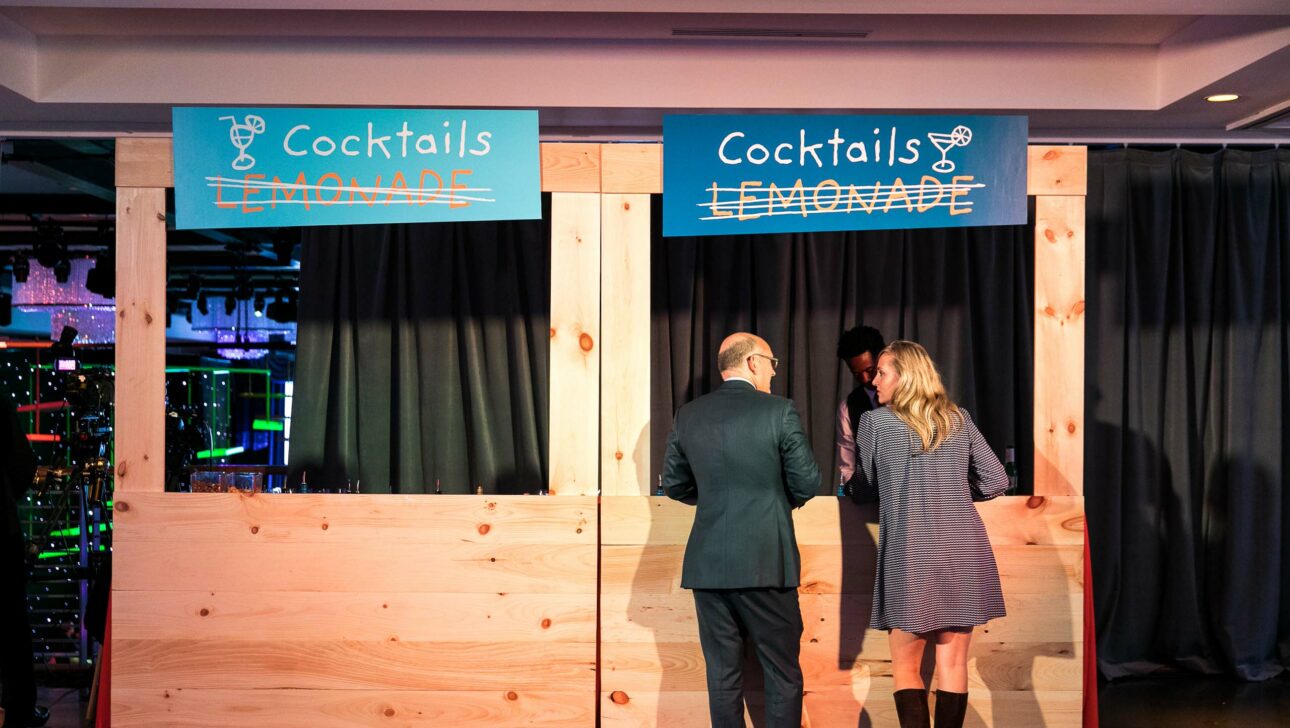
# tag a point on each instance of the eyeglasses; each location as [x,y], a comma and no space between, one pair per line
[774,363]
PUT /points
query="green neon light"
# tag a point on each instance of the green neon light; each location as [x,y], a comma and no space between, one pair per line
[220,452]
[267,425]
[60,554]
[76,531]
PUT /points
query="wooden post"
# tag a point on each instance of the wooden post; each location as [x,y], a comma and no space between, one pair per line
[1058,178]
[143,168]
[625,365]
[574,409]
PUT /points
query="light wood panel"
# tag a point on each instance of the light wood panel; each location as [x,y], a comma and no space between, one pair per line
[301,616]
[1056,170]
[1022,667]
[631,168]
[624,355]
[332,610]
[568,167]
[356,520]
[145,163]
[212,708]
[139,424]
[1059,345]
[574,408]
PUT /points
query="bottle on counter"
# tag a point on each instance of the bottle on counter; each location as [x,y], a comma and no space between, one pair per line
[658,489]
[304,482]
[437,491]
[842,485]
[479,489]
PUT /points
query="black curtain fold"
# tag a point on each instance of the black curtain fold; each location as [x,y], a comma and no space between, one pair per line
[422,356]
[964,293]
[1188,409]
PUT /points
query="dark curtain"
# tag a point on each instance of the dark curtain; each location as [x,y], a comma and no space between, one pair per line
[422,356]
[1188,393]
[964,293]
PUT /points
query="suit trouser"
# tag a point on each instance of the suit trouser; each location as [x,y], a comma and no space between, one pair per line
[772,620]
[17,666]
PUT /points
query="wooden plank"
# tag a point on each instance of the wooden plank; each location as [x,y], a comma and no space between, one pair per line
[834,619]
[341,616]
[389,665]
[568,167]
[465,568]
[829,570]
[1010,520]
[998,666]
[866,704]
[139,429]
[575,344]
[144,163]
[636,168]
[625,346]
[1056,170]
[164,707]
[1059,346]
[357,520]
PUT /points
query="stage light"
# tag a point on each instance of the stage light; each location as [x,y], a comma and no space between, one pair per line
[202,306]
[283,248]
[194,286]
[101,279]
[230,305]
[21,268]
[6,309]
[1221,98]
[284,310]
[48,248]
[243,291]
[62,269]
[259,305]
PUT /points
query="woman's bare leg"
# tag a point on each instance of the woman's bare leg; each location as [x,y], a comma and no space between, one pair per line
[907,658]
[951,658]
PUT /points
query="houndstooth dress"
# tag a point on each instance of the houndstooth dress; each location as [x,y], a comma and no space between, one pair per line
[935,565]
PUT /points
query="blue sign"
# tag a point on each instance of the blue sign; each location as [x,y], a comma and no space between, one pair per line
[256,167]
[732,175]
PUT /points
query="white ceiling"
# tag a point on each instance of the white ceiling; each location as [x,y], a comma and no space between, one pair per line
[1116,71]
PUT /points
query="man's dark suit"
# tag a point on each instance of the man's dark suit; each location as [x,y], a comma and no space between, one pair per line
[742,457]
[17,670]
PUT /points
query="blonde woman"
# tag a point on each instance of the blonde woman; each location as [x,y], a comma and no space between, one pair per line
[924,461]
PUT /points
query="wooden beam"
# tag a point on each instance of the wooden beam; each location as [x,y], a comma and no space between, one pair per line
[1056,170]
[145,163]
[570,167]
[1059,345]
[636,168]
[139,426]
[574,409]
[624,355]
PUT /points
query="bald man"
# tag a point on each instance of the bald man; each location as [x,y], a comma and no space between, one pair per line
[739,454]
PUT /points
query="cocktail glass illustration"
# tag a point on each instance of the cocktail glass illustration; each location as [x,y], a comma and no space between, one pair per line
[960,137]
[242,135]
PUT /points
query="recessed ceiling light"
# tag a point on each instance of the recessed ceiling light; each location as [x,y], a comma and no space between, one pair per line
[1219,98]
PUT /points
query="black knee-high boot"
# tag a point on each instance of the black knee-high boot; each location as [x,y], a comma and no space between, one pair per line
[950,709]
[911,708]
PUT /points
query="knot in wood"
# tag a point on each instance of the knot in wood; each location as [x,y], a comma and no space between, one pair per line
[619,697]
[205,612]
[484,528]
[512,695]
[122,506]
[546,623]
[389,712]
[618,455]
[1035,501]
[255,530]
[1051,154]
[586,342]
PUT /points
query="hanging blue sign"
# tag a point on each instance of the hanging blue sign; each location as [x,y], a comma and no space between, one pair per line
[258,167]
[734,175]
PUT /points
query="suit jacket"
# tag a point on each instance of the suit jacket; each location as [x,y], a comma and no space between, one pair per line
[741,456]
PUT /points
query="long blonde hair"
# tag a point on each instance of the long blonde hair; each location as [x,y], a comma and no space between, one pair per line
[920,400]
